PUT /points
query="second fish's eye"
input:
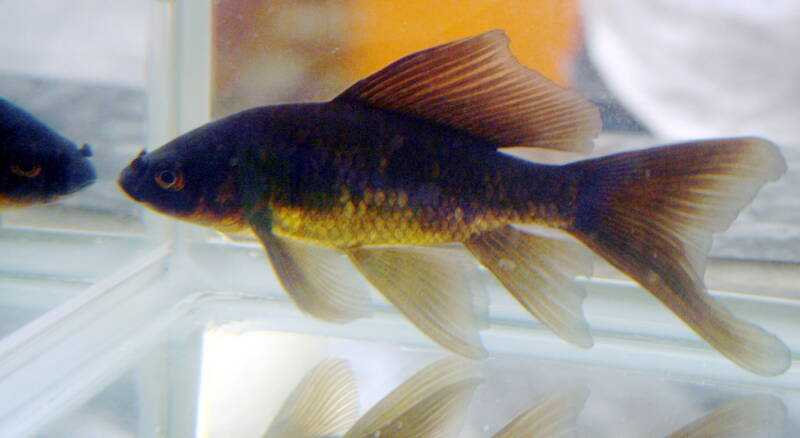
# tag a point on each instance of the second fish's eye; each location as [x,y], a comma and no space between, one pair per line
[170,180]
[27,170]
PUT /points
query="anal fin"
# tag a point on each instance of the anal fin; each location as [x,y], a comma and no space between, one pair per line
[539,272]
[430,287]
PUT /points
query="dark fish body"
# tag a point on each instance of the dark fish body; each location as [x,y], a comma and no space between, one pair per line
[37,165]
[407,165]
[345,175]
[406,180]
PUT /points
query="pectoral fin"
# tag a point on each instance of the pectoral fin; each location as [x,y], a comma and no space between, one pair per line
[539,272]
[432,403]
[430,287]
[324,403]
[320,280]
[555,417]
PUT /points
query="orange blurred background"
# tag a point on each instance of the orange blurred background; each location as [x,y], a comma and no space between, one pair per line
[280,51]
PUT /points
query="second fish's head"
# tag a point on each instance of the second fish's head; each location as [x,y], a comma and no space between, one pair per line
[192,178]
[38,165]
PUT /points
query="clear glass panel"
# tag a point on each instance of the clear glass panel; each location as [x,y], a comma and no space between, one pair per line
[118,321]
[79,67]
[91,89]
[249,369]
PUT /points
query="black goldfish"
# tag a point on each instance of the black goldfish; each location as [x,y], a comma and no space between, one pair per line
[405,169]
[38,165]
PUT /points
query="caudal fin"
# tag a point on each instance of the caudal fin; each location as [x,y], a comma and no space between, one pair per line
[651,213]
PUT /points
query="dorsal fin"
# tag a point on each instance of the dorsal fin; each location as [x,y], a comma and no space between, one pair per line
[476,85]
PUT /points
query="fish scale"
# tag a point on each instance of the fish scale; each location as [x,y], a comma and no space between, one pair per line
[442,208]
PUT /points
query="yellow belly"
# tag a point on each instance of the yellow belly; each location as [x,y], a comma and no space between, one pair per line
[354,225]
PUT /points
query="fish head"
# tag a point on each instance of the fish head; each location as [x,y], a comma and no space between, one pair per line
[38,165]
[192,178]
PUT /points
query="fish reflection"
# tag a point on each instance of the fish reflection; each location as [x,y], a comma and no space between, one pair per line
[37,165]
[432,403]
[405,169]
[556,416]
[761,416]
[435,401]
[324,403]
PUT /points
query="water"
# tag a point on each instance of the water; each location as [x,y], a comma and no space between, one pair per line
[117,322]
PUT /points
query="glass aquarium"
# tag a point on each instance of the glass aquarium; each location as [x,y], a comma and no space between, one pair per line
[118,321]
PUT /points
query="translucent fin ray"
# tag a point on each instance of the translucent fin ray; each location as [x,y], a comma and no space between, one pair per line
[476,85]
[431,403]
[762,416]
[324,403]
[651,214]
[321,281]
[554,417]
[429,286]
[539,272]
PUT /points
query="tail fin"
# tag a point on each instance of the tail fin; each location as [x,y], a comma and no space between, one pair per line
[651,213]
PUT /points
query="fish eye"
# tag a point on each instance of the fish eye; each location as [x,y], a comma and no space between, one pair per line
[26,170]
[170,180]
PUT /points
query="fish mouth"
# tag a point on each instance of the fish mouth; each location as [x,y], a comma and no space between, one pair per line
[81,175]
[127,182]
[130,177]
